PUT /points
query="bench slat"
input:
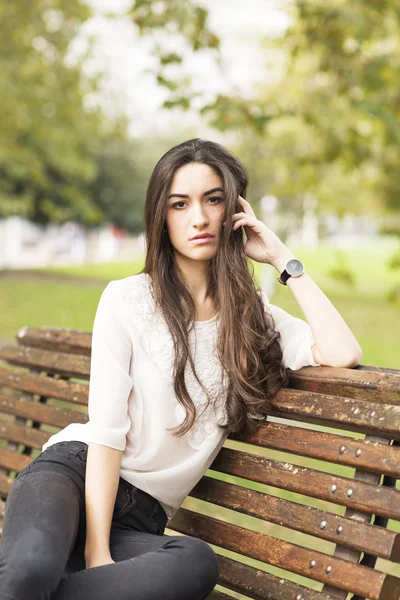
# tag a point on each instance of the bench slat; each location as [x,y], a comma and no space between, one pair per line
[257,584]
[216,595]
[374,457]
[67,365]
[52,338]
[340,449]
[367,417]
[360,536]
[342,574]
[354,414]
[310,482]
[14,461]
[375,384]
[39,412]
[5,484]
[47,387]
[19,434]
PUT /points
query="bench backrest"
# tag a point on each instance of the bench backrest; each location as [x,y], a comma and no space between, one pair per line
[317,528]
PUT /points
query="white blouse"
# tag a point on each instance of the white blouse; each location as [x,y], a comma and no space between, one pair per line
[131,397]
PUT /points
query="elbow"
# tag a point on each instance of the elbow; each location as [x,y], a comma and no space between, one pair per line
[112,437]
[350,361]
[356,359]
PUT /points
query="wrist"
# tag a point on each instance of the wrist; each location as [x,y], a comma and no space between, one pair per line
[99,561]
[280,262]
[94,554]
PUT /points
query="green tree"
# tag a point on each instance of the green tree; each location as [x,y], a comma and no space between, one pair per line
[53,160]
[47,134]
[339,88]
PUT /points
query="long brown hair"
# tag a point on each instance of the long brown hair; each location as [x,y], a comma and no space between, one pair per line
[248,346]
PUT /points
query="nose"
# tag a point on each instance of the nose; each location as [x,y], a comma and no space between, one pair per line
[200,218]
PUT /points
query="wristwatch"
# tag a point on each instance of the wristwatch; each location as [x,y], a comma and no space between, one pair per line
[294,268]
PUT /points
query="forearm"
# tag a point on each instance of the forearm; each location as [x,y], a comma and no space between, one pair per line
[334,339]
[102,477]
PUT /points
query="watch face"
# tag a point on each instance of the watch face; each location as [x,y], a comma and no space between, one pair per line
[294,267]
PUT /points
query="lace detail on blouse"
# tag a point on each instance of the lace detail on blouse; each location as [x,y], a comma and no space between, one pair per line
[156,340]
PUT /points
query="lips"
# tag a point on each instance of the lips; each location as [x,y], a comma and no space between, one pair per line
[202,237]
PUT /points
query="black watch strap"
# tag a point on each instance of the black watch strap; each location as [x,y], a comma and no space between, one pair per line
[284,276]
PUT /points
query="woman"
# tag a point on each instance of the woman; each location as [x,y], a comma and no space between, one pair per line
[183,353]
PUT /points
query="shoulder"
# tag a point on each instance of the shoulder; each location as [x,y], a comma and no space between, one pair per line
[123,305]
[120,295]
[134,288]
[133,298]
[127,288]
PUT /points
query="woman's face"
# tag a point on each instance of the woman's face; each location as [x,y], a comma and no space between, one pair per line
[199,209]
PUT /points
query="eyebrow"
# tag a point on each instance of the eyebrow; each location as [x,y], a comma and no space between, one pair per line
[217,189]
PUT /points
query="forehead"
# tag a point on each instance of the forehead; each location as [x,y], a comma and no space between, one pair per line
[194,178]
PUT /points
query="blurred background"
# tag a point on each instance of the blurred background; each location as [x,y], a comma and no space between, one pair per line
[95,91]
[305,93]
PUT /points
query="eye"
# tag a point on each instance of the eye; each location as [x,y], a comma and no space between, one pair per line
[175,204]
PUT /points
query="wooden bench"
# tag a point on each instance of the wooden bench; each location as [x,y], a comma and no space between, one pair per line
[325,526]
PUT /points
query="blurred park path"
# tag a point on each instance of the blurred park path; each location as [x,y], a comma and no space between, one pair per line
[29,274]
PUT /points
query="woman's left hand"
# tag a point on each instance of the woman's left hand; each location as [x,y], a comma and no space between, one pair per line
[98,560]
[262,244]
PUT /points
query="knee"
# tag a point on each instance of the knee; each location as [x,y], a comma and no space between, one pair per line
[27,575]
[202,560]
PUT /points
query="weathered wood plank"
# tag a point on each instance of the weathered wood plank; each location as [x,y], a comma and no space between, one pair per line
[20,434]
[5,484]
[347,554]
[340,449]
[70,341]
[313,521]
[40,412]
[217,595]
[310,482]
[257,584]
[342,574]
[44,386]
[372,384]
[67,365]
[14,461]
[354,414]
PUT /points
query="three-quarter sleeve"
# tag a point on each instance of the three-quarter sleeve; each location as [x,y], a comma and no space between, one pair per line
[296,337]
[110,382]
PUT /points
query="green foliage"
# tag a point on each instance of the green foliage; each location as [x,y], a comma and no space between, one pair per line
[120,186]
[61,158]
[227,113]
[327,122]
[341,80]
[178,18]
[47,134]
[341,272]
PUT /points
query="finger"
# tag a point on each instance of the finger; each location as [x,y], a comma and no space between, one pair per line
[245,221]
[246,206]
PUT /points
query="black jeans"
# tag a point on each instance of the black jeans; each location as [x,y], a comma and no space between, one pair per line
[43,541]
